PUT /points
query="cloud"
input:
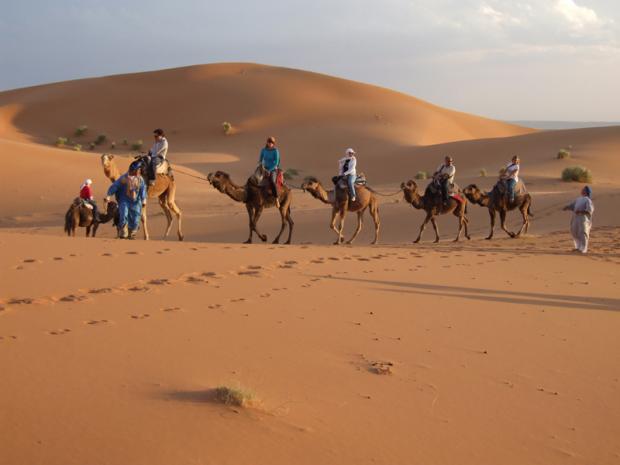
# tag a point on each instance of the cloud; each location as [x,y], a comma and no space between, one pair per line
[579,17]
[497,17]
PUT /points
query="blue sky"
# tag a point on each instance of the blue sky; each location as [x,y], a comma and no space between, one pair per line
[529,59]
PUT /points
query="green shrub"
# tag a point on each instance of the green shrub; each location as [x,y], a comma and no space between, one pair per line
[61,141]
[125,142]
[235,396]
[577,174]
[137,145]
[483,173]
[227,127]
[81,130]
[421,175]
[291,173]
[101,138]
[77,147]
[562,154]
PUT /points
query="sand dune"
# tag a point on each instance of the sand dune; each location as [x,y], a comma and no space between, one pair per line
[501,352]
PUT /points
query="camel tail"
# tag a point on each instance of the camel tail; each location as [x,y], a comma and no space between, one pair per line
[68,222]
[529,211]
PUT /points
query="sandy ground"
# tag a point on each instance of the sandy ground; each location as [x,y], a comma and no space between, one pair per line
[496,352]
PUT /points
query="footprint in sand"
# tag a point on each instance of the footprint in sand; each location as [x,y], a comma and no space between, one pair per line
[253,273]
[73,298]
[8,338]
[195,280]
[101,290]
[264,295]
[30,260]
[239,299]
[59,332]
[57,259]
[172,309]
[21,301]
[319,262]
[106,254]
[96,322]
[132,252]
[141,316]
[138,289]
[214,306]
[159,282]
[211,274]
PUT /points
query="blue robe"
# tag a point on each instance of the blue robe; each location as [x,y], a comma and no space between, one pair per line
[129,206]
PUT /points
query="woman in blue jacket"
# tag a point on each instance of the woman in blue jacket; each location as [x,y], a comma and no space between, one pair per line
[270,160]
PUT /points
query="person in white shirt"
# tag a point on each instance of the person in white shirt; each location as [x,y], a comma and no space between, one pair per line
[511,176]
[158,153]
[347,169]
[444,177]
[581,220]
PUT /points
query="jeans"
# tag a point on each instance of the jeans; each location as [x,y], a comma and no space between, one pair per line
[351,183]
[273,180]
[155,162]
[129,213]
[510,186]
[445,187]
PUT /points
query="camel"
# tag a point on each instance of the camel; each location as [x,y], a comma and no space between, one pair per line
[164,190]
[256,197]
[496,201]
[82,216]
[433,206]
[339,200]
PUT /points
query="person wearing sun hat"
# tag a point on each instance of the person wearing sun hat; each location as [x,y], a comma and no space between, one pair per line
[347,167]
[581,220]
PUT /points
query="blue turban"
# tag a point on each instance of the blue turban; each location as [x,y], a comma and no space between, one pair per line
[588,191]
[136,165]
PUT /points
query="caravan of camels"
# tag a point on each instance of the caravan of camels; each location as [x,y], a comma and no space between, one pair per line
[267,188]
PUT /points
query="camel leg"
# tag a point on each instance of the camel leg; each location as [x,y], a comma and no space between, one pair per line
[177,211]
[95,227]
[502,217]
[290,224]
[257,213]
[163,203]
[283,209]
[434,223]
[492,215]
[144,226]
[525,220]
[332,225]
[88,231]
[426,220]
[342,214]
[250,210]
[360,219]
[374,213]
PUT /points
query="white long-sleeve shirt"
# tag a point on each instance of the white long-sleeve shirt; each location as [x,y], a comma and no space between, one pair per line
[449,170]
[512,171]
[584,204]
[347,165]
[160,148]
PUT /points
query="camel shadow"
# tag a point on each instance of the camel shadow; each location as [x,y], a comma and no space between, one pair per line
[493,295]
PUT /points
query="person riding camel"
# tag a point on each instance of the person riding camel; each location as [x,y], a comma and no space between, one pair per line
[511,177]
[347,170]
[86,194]
[130,192]
[158,153]
[270,160]
[444,177]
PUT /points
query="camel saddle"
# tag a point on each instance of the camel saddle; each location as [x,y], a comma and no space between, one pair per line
[502,189]
[434,189]
[340,182]
[80,202]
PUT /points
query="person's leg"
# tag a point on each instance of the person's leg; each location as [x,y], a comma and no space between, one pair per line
[444,189]
[95,209]
[133,220]
[585,235]
[351,183]
[511,184]
[123,213]
[273,178]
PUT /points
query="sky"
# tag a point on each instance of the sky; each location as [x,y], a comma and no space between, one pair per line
[504,59]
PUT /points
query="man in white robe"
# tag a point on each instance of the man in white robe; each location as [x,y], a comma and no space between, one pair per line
[581,220]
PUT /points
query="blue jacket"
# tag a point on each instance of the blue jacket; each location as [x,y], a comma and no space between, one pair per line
[269,158]
[120,189]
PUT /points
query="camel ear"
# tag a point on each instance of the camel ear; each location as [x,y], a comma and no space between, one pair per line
[402,185]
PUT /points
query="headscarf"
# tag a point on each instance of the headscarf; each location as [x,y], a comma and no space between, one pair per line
[136,165]
[588,191]
[88,182]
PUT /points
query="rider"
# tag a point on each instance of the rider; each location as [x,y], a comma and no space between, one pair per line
[346,168]
[158,153]
[86,194]
[444,177]
[511,176]
[130,192]
[270,161]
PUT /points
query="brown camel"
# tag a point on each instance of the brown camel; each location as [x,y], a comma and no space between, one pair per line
[82,216]
[433,206]
[497,201]
[256,197]
[339,200]
[164,190]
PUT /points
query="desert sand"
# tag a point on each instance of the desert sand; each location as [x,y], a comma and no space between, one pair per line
[479,352]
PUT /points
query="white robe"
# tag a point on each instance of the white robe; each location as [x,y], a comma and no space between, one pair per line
[580,225]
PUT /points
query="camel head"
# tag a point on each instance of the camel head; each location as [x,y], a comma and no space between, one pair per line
[106,160]
[219,180]
[473,193]
[109,167]
[410,189]
[310,184]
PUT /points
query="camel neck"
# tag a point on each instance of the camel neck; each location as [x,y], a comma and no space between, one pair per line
[321,194]
[235,192]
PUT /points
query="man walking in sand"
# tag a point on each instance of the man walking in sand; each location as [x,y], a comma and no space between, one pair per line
[581,220]
[130,192]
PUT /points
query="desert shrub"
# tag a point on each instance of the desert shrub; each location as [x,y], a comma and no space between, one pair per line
[421,175]
[91,146]
[291,173]
[502,170]
[577,174]
[227,127]
[77,147]
[236,396]
[113,145]
[125,142]
[562,154]
[101,138]
[483,173]
[61,141]
[137,145]
[81,130]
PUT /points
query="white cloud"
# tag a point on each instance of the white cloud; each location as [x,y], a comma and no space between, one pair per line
[497,17]
[580,17]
